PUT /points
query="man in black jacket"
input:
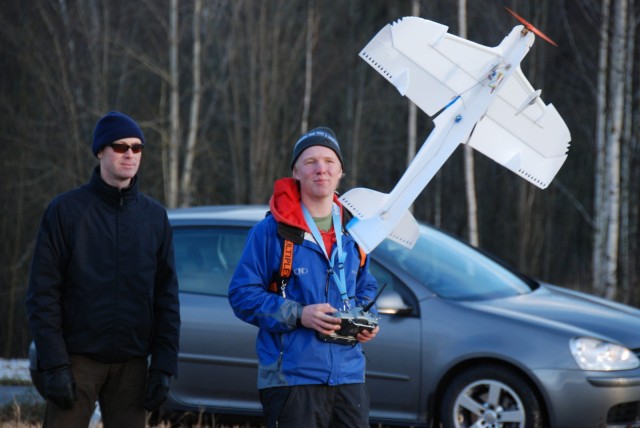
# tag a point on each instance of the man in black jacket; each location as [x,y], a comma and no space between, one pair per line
[103,293]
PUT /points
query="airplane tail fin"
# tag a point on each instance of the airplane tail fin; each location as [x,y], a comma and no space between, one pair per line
[370,226]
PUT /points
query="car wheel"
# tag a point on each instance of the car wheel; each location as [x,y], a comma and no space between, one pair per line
[490,396]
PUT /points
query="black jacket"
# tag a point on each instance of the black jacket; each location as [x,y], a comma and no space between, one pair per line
[103,280]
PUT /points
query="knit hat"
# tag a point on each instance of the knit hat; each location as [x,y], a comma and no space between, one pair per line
[321,136]
[114,126]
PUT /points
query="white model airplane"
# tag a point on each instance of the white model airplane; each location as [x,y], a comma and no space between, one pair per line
[484,100]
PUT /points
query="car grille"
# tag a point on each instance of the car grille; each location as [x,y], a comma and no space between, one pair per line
[625,415]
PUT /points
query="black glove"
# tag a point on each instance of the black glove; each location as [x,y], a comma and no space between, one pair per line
[157,390]
[59,386]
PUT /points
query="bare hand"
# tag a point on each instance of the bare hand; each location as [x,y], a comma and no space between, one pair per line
[318,317]
[366,335]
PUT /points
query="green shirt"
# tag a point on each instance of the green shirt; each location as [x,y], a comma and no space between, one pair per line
[323,223]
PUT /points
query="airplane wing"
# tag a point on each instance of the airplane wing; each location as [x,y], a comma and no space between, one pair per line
[425,63]
[431,67]
[530,141]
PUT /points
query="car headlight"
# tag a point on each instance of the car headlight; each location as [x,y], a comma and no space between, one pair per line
[595,354]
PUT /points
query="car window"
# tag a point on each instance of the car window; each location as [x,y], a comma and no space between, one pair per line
[452,269]
[206,257]
[393,284]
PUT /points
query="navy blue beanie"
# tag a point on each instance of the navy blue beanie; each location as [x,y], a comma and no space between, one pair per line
[112,127]
[321,136]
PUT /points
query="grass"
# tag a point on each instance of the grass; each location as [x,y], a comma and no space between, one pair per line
[31,414]
[27,411]
[21,415]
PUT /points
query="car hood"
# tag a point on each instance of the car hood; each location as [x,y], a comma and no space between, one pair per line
[575,312]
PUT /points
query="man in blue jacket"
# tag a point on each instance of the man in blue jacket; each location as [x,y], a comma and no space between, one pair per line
[305,379]
[103,291]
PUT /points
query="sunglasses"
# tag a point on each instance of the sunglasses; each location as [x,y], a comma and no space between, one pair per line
[122,148]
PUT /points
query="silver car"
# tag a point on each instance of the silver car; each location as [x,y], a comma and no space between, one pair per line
[463,342]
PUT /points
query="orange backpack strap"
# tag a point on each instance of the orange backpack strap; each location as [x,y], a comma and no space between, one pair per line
[279,282]
[290,236]
[363,256]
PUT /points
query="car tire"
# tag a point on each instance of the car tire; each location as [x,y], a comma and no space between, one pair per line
[490,396]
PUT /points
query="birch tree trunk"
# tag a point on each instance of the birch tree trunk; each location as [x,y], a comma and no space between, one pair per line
[174,107]
[599,205]
[469,167]
[186,190]
[616,108]
[627,204]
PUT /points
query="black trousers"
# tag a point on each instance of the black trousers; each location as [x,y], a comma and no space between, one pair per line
[316,406]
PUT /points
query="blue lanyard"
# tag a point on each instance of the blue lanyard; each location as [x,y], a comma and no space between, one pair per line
[338,276]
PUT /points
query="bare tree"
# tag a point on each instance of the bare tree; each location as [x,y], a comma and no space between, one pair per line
[614,135]
[186,189]
[64,85]
[174,108]
[308,66]
[469,167]
[628,199]
[264,44]
[600,208]
[412,124]
[611,115]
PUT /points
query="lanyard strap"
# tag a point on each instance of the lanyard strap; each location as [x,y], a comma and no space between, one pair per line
[337,273]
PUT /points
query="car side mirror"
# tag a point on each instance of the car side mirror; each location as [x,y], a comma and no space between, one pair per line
[392,303]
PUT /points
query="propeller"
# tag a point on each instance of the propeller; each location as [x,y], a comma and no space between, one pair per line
[530,27]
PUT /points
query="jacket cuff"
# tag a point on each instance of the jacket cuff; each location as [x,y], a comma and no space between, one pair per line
[299,315]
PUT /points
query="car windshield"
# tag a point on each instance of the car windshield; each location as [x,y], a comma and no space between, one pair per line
[452,269]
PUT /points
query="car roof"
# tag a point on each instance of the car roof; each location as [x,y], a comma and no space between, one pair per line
[219,214]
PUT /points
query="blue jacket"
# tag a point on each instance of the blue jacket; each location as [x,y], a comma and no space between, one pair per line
[290,354]
[103,280]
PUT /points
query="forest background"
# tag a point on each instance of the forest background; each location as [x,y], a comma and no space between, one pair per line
[223,88]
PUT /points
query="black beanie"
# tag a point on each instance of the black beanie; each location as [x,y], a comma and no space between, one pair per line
[114,126]
[321,136]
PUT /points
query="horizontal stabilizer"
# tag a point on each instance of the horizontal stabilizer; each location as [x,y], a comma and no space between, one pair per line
[407,231]
[362,202]
[370,226]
